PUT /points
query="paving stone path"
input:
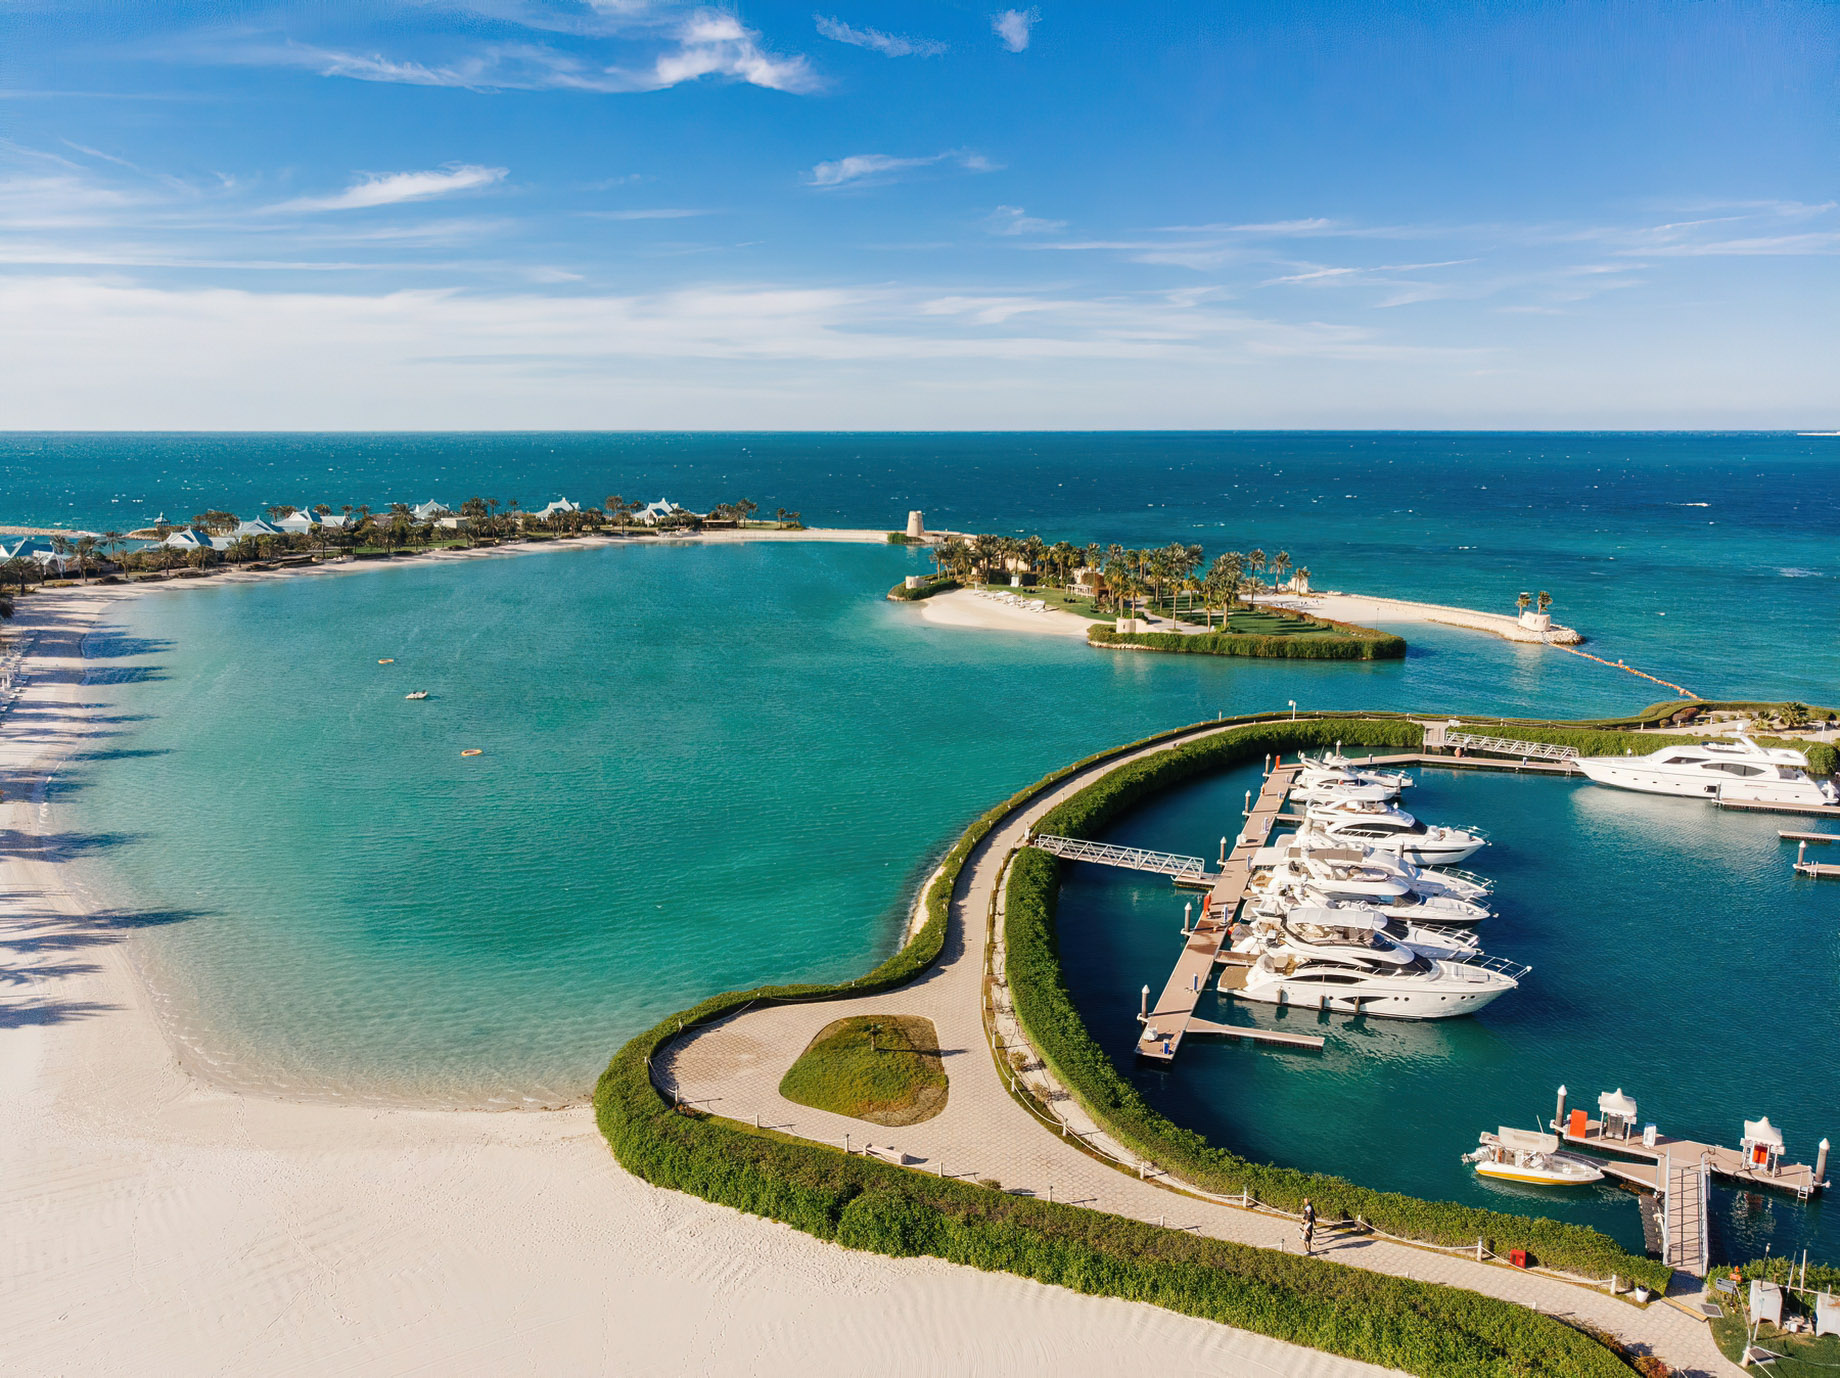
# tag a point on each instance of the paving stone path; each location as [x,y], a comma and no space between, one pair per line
[733,1068]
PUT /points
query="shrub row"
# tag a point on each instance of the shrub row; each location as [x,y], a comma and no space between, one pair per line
[903,594]
[1337,645]
[1047,1011]
[865,1204]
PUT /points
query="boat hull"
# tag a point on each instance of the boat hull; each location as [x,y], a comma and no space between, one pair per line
[1384,1004]
[1537,1177]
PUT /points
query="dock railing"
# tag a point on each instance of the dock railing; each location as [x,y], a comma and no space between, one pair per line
[1507,746]
[1130,858]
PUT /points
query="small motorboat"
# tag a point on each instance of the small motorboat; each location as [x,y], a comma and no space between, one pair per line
[416,694]
[1524,1155]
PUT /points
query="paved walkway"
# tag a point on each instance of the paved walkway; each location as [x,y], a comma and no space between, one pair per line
[733,1068]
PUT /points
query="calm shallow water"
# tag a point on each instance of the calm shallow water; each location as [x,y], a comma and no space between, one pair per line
[1702,558]
[704,767]
[1675,956]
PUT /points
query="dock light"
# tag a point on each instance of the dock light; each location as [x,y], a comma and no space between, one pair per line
[1143,1005]
[1223,841]
[1559,1114]
[1293,704]
[1187,910]
[1820,1164]
[1248,813]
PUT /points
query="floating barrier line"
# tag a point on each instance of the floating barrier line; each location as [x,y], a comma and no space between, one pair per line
[1618,665]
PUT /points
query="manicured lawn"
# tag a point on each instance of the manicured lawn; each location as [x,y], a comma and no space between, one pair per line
[885,1070]
[1803,1355]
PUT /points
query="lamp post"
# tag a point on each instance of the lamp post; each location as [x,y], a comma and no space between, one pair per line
[1293,703]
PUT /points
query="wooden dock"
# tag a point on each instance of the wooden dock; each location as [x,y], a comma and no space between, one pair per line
[1724,1162]
[1172,1016]
[1819,870]
[1787,836]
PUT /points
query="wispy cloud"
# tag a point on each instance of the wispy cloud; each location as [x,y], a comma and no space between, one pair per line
[394,188]
[707,43]
[1014,27]
[888,44]
[1013,220]
[874,169]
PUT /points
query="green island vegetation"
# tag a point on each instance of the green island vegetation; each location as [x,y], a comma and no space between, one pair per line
[1106,583]
[210,540]
[1804,1354]
[884,1069]
[866,1204]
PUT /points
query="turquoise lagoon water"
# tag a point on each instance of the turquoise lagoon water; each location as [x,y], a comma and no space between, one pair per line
[1706,559]
[1675,955]
[703,767]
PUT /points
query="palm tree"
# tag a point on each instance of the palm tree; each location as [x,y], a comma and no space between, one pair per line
[1544,601]
[1522,603]
[86,556]
[1279,565]
[1302,576]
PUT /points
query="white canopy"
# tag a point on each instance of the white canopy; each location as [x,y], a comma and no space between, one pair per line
[1616,1103]
[1762,1132]
[1527,1140]
[1359,920]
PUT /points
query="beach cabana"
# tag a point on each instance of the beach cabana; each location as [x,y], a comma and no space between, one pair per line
[1618,1113]
[1762,1145]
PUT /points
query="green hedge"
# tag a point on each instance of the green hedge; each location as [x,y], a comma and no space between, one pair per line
[1335,645]
[1055,1027]
[903,594]
[865,1204]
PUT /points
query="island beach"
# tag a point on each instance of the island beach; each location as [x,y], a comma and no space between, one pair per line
[162,1226]
[1360,607]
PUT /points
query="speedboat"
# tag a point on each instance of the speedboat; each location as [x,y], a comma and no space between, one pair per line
[1326,789]
[1740,772]
[416,694]
[1304,907]
[1523,1155]
[1350,861]
[1387,828]
[1352,967]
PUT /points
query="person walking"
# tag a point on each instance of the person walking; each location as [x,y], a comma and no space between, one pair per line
[1306,1224]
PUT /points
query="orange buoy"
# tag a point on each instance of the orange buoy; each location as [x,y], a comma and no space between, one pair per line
[471,751]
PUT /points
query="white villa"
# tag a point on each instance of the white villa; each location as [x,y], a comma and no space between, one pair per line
[429,511]
[559,505]
[298,522]
[248,530]
[654,512]
[37,549]
[189,538]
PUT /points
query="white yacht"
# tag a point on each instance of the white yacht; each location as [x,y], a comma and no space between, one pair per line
[1306,907]
[1387,828]
[1362,885]
[1350,863]
[1730,772]
[1353,968]
[1319,782]
[1334,760]
[1522,1155]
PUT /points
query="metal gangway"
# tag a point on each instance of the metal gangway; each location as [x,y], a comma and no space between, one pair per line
[1183,868]
[1507,746]
[1683,1202]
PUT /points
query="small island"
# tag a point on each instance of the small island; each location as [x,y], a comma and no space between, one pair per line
[1162,599]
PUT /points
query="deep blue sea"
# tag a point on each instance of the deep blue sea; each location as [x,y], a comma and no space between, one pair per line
[708,766]
[1708,559]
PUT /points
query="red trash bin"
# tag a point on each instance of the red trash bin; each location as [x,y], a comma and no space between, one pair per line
[1518,1257]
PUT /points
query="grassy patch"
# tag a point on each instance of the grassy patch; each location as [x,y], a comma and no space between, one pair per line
[885,1070]
[1804,1356]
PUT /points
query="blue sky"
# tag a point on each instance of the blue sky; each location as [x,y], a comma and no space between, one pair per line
[628,214]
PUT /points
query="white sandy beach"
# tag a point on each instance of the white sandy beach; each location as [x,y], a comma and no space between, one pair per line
[1369,611]
[154,1225]
[964,608]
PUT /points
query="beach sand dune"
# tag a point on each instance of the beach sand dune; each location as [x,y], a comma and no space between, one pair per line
[153,1225]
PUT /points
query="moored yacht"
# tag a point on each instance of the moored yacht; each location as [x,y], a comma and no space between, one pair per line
[1354,968]
[1351,863]
[1365,886]
[1305,907]
[1740,772]
[1386,828]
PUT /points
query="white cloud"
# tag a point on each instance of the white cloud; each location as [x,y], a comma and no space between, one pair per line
[873,169]
[888,44]
[711,43]
[394,188]
[1013,26]
[1013,220]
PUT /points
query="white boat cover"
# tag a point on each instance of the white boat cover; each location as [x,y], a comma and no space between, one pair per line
[1338,918]
[1616,1103]
[1527,1140]
[1826,1315]
[1763,1132]
[1766,1302]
